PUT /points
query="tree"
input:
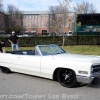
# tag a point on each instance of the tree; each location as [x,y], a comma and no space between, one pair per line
[2,24]
[59,17]
[1,5]
[85,8]
[56,17]
[15,18]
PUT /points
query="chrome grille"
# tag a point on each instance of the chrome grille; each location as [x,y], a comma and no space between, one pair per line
[95,68]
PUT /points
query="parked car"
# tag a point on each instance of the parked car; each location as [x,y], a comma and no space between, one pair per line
[52,62]
[52,34]
[28,35]
[70,33]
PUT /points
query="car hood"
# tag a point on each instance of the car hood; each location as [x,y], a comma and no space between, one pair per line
[78,57]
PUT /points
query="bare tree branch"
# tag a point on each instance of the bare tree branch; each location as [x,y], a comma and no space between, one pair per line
[1,16]
[59,17]
[1,5]
[85,8]
[15,18]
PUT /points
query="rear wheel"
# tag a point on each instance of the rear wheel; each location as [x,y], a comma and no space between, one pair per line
[5,70]
[67,77]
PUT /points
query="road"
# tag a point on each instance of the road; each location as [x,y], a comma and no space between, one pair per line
[16,86]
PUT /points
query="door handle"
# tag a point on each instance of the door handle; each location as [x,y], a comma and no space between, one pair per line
[19,57]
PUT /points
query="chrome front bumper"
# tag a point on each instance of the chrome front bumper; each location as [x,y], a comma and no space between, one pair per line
[87,80]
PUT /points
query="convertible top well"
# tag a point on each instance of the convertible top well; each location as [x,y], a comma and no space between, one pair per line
[23,52]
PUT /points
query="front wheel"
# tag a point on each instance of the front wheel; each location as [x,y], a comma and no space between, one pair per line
[5,70]
[67,77]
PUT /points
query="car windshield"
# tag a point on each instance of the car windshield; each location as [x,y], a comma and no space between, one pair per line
[51,49]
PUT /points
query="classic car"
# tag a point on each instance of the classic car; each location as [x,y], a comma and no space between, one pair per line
[52,62]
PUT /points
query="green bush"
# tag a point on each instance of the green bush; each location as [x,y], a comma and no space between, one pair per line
[70,40]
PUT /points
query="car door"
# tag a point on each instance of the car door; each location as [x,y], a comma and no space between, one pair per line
[47,66]
[29,64]
[8,60]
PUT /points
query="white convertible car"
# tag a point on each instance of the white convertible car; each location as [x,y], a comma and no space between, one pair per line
[51,61]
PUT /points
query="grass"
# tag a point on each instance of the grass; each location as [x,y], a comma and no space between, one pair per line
[80,49]
[85,49]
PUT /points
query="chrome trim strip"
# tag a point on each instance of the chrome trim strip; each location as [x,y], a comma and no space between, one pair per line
[96,68]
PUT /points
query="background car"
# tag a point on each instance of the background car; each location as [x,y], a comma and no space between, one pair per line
[52,34]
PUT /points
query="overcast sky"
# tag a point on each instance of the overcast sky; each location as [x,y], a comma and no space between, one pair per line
[42,5]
